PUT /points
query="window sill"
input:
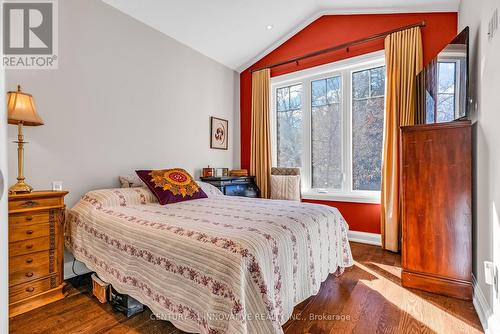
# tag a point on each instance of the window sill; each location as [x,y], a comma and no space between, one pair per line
[343,197]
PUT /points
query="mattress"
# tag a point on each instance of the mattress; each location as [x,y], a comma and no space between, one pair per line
[214,265]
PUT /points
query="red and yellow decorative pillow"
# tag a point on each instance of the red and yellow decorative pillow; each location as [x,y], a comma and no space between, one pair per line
[171,185]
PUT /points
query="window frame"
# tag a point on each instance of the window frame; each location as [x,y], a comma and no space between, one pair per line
[449,57]
[344,68]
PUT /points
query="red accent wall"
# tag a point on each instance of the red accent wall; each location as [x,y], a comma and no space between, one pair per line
[360,216]
[333,30]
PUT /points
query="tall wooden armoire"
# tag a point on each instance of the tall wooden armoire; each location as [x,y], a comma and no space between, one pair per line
[436,208]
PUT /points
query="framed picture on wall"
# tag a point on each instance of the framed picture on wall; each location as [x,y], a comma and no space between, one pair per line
[218,133]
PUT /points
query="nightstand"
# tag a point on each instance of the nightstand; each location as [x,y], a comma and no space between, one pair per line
[36,249]
[235,185]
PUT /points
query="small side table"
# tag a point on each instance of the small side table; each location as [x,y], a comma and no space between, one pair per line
[235,185]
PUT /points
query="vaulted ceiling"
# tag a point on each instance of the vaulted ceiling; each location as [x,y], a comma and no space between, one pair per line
[238,32]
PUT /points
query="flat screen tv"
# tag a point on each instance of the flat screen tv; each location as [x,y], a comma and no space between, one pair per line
[442,86]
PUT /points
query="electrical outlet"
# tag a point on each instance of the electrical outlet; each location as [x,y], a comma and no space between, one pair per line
[57,185]
[489,272]
[1,184]
[491,276]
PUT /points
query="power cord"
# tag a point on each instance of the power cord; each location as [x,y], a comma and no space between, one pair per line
[73,267]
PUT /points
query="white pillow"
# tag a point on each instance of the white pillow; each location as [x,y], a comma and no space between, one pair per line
[131,181]
[285,187]
[209,189]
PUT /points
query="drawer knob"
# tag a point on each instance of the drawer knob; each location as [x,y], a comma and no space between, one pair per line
[29,260]
[29,246]
[29,232]
[29,204]
[29,274]
[30,289]
[29,218]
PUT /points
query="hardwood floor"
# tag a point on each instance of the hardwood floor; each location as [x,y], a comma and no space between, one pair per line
[367,298]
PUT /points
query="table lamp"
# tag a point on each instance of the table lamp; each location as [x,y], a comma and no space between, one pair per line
[21,111]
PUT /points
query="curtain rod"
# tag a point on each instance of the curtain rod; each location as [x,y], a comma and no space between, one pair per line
[340,47]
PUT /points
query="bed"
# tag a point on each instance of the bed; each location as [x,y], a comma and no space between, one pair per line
[215,265]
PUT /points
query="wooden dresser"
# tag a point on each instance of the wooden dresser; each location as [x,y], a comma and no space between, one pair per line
[436,208]
[36,247]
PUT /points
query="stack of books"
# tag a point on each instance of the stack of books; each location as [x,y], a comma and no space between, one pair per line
[238,172]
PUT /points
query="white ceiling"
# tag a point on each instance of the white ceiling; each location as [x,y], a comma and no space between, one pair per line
[233,32]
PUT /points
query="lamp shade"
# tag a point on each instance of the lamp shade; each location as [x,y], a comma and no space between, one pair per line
[21,109]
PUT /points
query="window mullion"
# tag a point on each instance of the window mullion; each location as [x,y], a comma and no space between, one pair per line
[347,146]
[289,101]
[307,136]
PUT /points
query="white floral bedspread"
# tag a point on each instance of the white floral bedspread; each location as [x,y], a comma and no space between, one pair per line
[215,265]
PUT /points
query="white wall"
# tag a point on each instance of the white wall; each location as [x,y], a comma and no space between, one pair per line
[485,89]
[125,96]
[4,227]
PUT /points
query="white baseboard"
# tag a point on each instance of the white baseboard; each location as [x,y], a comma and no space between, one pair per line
[484,310]
[365,238]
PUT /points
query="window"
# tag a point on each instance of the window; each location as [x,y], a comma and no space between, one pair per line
[368,90]
[326,133]
[329,121]
[289,120]
[447,84]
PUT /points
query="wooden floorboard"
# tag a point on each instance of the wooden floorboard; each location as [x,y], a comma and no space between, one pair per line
[367,298]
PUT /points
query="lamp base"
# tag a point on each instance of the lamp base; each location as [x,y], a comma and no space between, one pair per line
[20,188]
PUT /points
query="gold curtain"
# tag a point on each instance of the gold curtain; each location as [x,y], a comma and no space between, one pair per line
[260,151]
[403,53]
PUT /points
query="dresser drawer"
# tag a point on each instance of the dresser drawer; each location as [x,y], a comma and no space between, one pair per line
[29,218]
[34,203]
[30,246]
[25,290]
[25,232]
[29,262]
[28,267]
